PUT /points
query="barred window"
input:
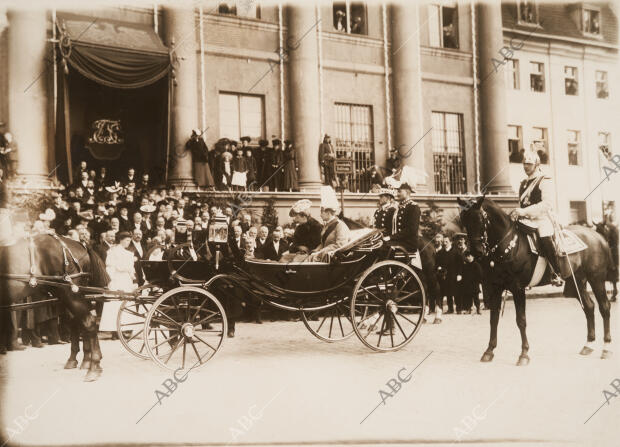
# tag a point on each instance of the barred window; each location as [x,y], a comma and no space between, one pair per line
[449,153]
[241,115]
[354,140]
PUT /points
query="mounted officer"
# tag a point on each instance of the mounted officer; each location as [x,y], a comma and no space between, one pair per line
[535,208]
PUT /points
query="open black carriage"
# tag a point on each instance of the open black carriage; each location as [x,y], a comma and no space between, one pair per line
[366,289]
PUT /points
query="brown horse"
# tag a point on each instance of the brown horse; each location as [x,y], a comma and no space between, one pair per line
[44,256]
[508,264]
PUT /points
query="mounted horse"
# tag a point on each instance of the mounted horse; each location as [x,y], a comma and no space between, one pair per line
[34,266]
[509,262]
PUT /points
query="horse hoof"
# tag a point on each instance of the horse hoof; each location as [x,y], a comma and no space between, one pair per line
[85,364]
[524,360]
[606,354]
[92,375]
[71,364]
[586,350]
[487,357]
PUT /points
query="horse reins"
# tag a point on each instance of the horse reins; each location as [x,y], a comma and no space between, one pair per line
[512,244]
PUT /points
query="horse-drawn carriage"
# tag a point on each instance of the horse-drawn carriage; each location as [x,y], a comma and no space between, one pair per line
[179,317]
[366,289]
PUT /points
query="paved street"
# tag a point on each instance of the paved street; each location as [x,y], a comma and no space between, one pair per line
[276,383]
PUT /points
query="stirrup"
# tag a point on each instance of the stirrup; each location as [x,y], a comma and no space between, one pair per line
[557,281]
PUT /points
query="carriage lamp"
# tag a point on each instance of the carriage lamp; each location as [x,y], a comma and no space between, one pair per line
[32,282]
[218,235]
[75,288]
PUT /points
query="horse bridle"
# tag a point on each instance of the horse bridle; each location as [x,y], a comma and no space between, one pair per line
[489,253]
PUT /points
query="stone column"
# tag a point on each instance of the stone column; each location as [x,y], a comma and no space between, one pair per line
[407,88]
[494,160]
[28,74]
[180,36]
[301,50]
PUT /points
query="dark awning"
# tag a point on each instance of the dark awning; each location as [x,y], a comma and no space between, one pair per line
[113,53]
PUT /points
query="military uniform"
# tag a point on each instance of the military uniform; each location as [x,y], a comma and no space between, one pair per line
[535,198]
[383,217]
[405,224]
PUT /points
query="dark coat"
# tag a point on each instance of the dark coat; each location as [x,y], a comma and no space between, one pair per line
[472,277]
[383,219]
[449,265]
[266,167]
[407,224]
[290,171]
[269,252]
[252,169]
[307,234]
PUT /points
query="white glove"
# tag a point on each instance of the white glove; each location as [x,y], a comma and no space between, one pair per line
[459,277]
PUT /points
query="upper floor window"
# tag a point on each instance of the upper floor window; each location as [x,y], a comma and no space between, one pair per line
[512,74]
[591,21]
[241,115]
[574,155]
[515,144]
[350,17]
[571,86]
[537,77]
[240,8]
[540,143]
[602,88]
[604,140]
[443,26]
[528,12]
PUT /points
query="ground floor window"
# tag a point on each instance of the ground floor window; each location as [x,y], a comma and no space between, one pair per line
[449,153]
[354,140]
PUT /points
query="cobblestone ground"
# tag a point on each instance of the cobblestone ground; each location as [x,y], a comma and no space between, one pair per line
[275,383]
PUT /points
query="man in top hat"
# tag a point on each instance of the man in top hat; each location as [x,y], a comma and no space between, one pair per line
[535,207]
[406,220]
[385,212]
[327,155]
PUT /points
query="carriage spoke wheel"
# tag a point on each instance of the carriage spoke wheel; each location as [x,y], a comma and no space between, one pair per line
[332,324]
[388,306]
[184,328]
[130,326]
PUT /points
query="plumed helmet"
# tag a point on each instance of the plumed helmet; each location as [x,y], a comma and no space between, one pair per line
[531,157]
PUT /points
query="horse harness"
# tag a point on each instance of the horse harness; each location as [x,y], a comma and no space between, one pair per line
[507,250]
[34,280]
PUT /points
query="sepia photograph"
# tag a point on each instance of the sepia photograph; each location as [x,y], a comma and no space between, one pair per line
[309,223]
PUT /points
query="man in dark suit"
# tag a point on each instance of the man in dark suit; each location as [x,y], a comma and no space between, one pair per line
[385,212]
[275,247]
[138,249]
[261,240]
[450,265]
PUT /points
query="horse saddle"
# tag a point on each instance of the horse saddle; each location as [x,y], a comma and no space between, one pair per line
[566,243]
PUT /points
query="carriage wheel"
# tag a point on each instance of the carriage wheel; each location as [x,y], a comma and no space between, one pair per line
[185,328]
[332,324]
[130,326]
[390,298]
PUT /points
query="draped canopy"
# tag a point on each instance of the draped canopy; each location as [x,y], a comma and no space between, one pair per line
[113,53]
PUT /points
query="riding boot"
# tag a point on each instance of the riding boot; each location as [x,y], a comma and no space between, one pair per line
[551,255]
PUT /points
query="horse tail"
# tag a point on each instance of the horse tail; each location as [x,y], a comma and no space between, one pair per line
[98,274]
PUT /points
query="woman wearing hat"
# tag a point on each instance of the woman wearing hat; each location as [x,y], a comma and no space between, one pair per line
[265,167]
[307,234]
[120,267]
[200,160]
[277,165]
[290,170]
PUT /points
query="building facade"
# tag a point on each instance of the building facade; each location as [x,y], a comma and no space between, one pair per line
[374,76]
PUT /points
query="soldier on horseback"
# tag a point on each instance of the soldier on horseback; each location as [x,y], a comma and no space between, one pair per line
[536,205]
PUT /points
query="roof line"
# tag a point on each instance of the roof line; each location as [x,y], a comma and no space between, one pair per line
[565,38]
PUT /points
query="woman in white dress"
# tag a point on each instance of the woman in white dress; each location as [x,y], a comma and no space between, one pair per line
[120,266]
